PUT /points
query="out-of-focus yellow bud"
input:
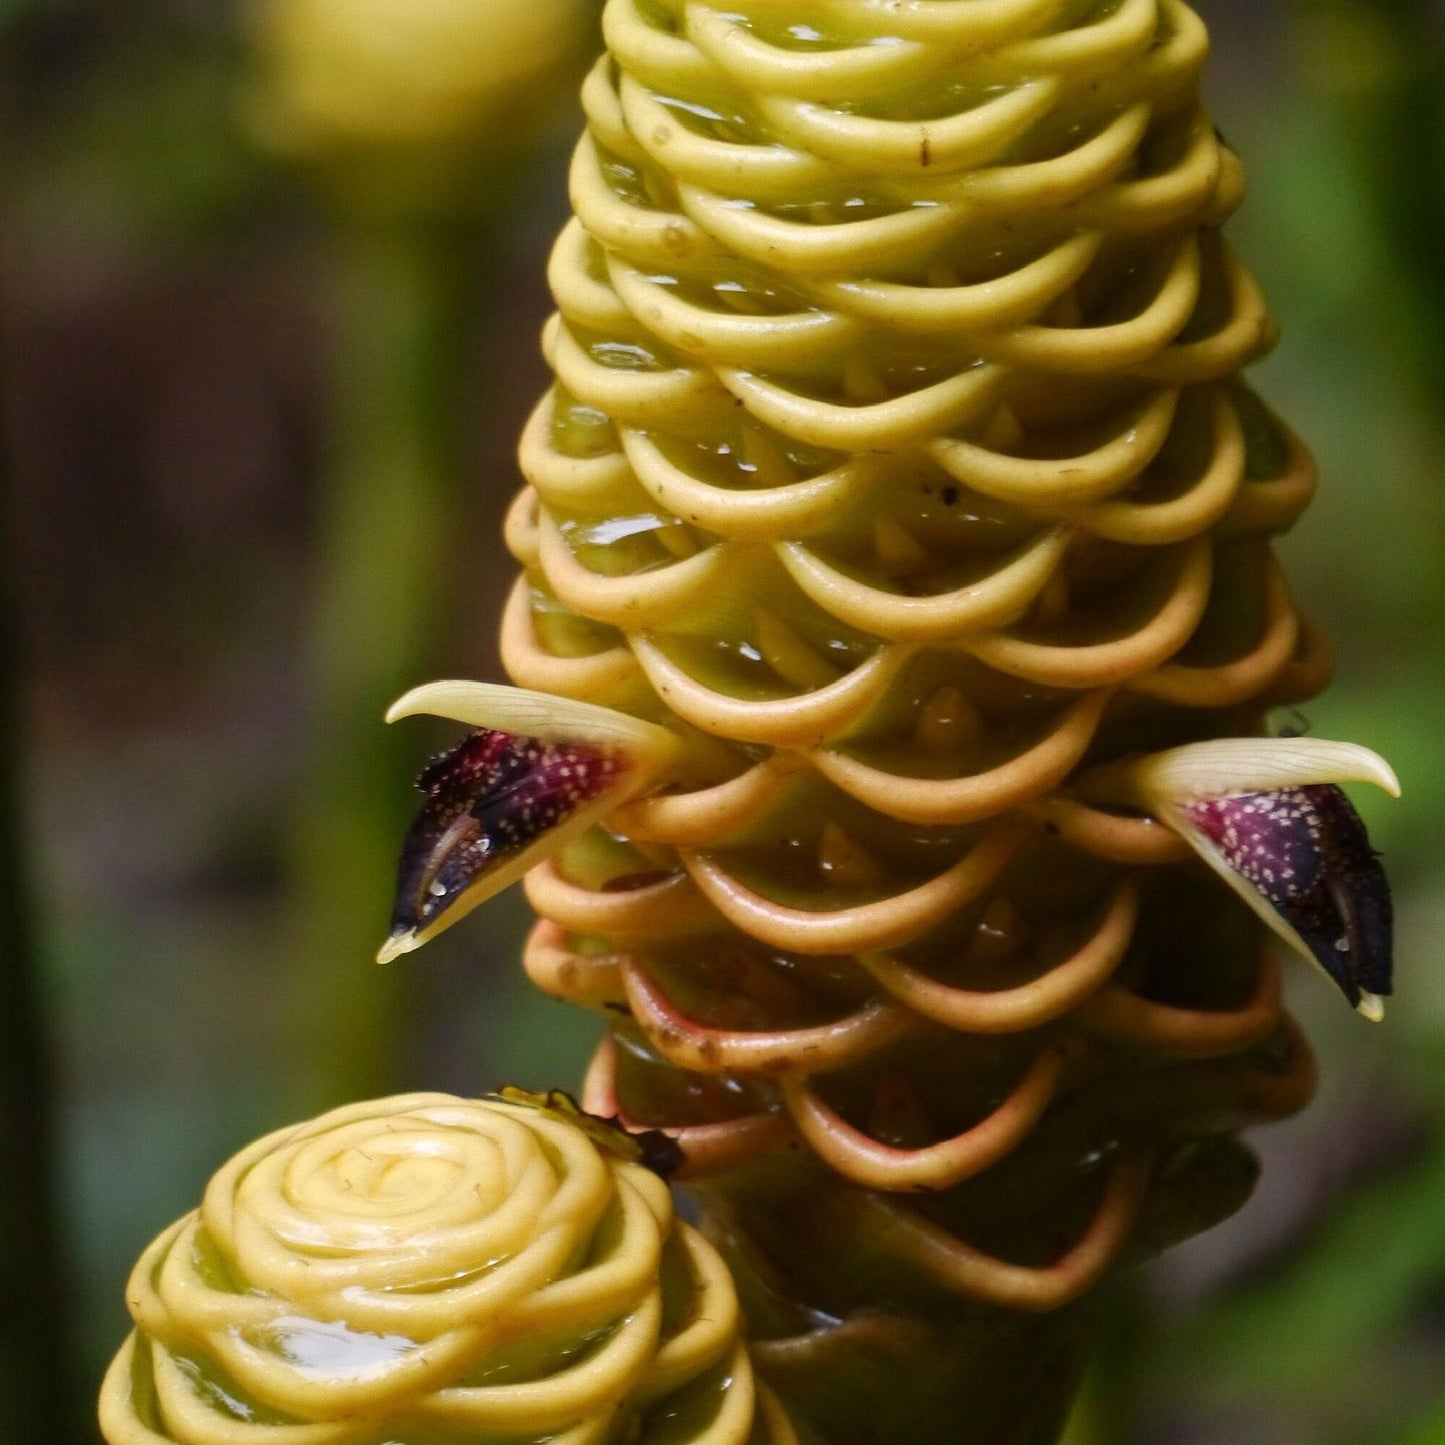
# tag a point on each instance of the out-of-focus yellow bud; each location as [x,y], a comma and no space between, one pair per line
[347,73]
[406,106]
[438,1269]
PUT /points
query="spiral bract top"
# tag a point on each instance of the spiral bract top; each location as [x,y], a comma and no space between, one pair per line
[427,1269]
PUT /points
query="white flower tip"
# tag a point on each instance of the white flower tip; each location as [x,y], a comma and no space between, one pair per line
[1223,767]
[1372,1007]
[411,704]
[406,941]
[541,715]
[1384,777]
[458,699]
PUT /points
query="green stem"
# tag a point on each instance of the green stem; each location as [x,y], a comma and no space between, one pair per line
[1108,1408]
[407,306]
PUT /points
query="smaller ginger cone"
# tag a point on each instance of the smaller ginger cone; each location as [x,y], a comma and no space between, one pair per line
[428,1270]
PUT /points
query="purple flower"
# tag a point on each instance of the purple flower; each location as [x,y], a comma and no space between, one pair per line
[1267,815]
[536,771]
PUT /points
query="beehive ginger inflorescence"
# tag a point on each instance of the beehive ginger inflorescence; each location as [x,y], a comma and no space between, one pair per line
[899,466]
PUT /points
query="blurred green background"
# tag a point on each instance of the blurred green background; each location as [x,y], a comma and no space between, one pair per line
[260,389]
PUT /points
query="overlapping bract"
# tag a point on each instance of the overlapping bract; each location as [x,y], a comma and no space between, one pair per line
[898,452]
[426,1268]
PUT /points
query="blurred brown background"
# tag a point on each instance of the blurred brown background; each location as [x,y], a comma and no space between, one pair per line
[218,363]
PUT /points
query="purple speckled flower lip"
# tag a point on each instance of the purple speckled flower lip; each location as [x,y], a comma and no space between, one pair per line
[1305,852]
[1267,815]
[534,772]
[489,797]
